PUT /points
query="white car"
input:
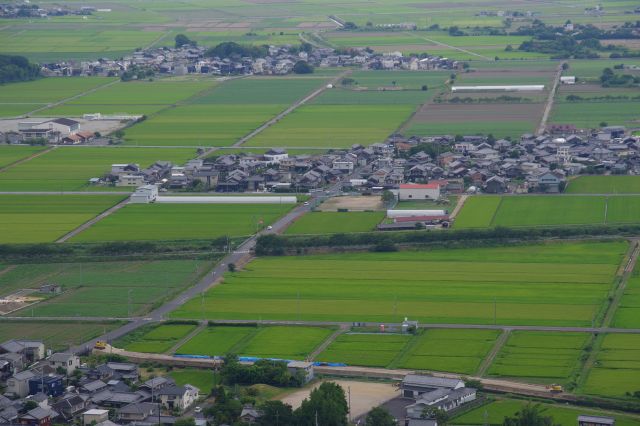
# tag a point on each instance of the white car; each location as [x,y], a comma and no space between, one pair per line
[306,203]
[197,410]
[269,228]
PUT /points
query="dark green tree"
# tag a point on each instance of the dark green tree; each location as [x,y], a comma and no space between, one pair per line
[379,416]
[326,406]
[276,413]
[439,415]
[302,67]
[183,40]
[530,415]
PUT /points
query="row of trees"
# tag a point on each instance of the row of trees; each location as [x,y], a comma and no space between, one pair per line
[273,373]
[17,68]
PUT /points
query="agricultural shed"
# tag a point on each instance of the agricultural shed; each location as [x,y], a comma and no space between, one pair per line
[415,213]
[505,88]
[225,200]
[412,191]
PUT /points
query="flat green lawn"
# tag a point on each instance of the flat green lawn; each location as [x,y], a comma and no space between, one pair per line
[554,284]
[628,312]
[156,339]
[334,126]
[604,185]
[105,289]
[182,221]
[70,168]
[56,335]
[494,413]
[202,379]
[547,356]
[11,153]
[540,210]
[19,98]
[617,367]
[133,97]
[281,342]
[335,222]
[45,218]
[370,350]
[455,350]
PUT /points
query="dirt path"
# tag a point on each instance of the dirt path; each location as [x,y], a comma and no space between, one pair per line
[619,291]
[91,222]
[329,340]
[453,47]
[24,160]
[488,360]
[7,269]
[458,207]
[549,105]
[198,329]
[289,110]
[86,92]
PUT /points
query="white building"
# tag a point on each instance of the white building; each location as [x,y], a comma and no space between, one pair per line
[179,397]
[145,194]
[501,88]
[67,361]
[94,416]
[345,166]
[413,191]
[568,79]
[130,180]
[275,155]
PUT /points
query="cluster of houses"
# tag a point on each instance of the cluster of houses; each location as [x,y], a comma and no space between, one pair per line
[42,390]
[27,10]
[279,60]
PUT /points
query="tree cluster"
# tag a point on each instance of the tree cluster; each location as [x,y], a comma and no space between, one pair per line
[17,68]
[183,40]
[273,373]
[610,79]
[303,67]
[229,49]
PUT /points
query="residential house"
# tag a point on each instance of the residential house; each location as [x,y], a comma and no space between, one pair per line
[31,350]
[138,412]
[64,360]
[94,416]
[36,417]
[51,385]
[70,405]
[495,185]
[595,421]
[178,397]
[414,385]
[18,384]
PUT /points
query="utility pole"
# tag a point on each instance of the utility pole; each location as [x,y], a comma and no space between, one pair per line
[349,393]
[495,311]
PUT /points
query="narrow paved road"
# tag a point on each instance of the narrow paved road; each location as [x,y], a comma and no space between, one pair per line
[430,40]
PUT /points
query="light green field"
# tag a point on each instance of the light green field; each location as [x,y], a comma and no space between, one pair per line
[628,312]
[466,125]
[590,69]
[407,80]
[604,185]
[617,367]
[182,221]
[56,335]
[555,284]
[456,350]
[105,289]
[281,342]
[427,204]
[494,413]
[70,168]
[589,115]
[546,356]
[10,154]
[157,339]
[499,78]
[370,350]
[195,377]
[335,222]
[540,210]
[341,96]
[133,97]
[334,126]
[45,218]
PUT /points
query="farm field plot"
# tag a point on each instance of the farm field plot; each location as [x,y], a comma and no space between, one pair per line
[555,284]
[155,339]
[617,367]
[499,119]
[589,115]
[604,185]
[56,335]
[427,204]
[589,69]
[343,96]
[539,210]
[10,154]
[182,221]
[193,377]
[545,356]
[628,312]
[335,222]
[109,289]
[491,78]
[45,218]
[200,125]
[456,350]
[19,98]
[369,350]
[406,80]
[70,168]
[281,342]
[133,97]
[495,411]
[334,126]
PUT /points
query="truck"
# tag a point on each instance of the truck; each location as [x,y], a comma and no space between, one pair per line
[555,388]
[100,344]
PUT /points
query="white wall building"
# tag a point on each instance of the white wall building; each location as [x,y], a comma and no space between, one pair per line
[145,194]
[413,191]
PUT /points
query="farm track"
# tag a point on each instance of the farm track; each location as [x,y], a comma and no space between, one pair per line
[201,326]
[488,360]
[7,269]
[93,221]
[619,291]
[290,109]
[24,160]
[486,58]
[547,109]
[63,101]
[458,206]
[324,345]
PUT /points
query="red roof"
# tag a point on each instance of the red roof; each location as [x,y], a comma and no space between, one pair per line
[420,186]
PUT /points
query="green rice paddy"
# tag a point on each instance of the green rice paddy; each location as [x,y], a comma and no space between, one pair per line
[628,312]
[56,335]
[158,339]
[370,350]
[617,367]
[555,284]
[604,185]
[10,154]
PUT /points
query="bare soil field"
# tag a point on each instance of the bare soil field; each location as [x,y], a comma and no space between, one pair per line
[352,204]
[364,395]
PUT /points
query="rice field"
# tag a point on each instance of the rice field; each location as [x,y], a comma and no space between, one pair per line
[628,312]
[146,222]
[617,367]
[10,154]
[369,350]
[604,185]
[455,350]
[56,335]
[45,218]
[554,284]
[70,168]
[157,339]
[540,356]
[335,222]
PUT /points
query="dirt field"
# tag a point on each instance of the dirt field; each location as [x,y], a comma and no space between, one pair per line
[364,395]
[352,204]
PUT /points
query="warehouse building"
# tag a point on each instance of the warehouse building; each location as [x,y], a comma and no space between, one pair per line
[413,191]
